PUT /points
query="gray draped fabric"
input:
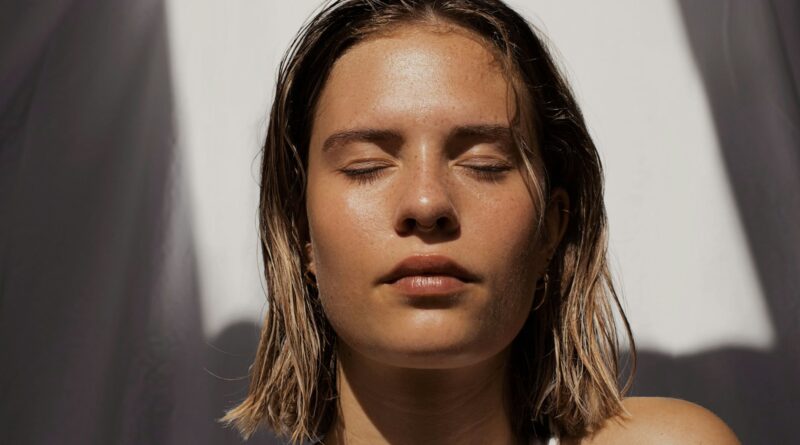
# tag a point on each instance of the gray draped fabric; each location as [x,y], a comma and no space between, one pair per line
[748,54]
[100,332]
[100,323]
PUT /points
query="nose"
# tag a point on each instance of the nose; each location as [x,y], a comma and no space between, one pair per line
[425,206]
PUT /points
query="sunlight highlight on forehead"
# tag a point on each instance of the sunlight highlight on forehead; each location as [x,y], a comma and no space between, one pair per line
[421,71]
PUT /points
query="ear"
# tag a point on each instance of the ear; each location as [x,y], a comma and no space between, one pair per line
[555,221]
[310,264]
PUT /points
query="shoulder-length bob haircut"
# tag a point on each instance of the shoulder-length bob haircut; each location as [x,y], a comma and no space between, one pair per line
[564,369]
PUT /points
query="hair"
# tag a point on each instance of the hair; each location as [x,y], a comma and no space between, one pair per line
[564,366]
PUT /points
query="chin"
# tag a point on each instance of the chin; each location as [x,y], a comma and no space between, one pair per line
[436,348]
[432,358]
[460,334]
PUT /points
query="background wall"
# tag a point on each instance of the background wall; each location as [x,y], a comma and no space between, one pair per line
[129,272]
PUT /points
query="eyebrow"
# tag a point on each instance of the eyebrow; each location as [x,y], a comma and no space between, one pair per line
[482,132]
[488,133]
[361,135]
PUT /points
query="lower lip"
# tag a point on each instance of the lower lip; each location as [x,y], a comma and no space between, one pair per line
[429,285]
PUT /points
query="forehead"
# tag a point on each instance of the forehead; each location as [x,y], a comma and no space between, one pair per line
[422,73]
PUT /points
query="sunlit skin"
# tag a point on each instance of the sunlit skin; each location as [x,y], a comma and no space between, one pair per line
[437,188]
[408,156]
[423,87]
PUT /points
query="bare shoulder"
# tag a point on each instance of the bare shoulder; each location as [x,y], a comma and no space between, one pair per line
[663,421]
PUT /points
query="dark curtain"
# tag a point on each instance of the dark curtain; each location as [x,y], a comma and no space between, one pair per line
[748,55]
[100,330]
[100,334]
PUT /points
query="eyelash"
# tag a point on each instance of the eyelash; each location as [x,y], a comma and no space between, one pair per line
[363,175]
[491,173]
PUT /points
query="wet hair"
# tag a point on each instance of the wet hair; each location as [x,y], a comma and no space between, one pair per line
[564,370]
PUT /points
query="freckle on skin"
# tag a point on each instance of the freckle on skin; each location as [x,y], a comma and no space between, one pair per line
[422,85]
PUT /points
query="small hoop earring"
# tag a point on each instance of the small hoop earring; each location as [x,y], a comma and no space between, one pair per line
[310,279]
[545,285]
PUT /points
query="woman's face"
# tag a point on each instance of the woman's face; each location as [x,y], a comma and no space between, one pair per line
[411,159]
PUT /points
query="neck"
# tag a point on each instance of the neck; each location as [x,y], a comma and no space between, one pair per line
[381,404]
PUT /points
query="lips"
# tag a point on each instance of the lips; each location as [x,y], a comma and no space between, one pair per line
[414,268]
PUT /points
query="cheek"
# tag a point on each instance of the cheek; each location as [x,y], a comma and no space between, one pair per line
[343,224]
[348,232]
[505,226]
[349,235]
[506,234]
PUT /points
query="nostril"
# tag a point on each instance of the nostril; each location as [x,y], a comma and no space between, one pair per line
[411,225]
[425,228]
[434,218]
[442,224]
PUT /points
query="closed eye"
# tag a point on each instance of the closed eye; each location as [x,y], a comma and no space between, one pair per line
[488,172]
[364,175]
[484,172]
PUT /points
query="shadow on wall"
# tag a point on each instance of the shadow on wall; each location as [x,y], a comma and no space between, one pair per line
[230,355]
[748,54]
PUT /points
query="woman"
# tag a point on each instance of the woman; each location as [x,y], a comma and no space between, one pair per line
[434,239]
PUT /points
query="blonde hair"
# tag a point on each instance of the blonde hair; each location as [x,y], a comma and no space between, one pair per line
[564,365]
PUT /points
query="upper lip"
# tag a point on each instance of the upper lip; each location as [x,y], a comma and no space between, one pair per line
[428,265]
